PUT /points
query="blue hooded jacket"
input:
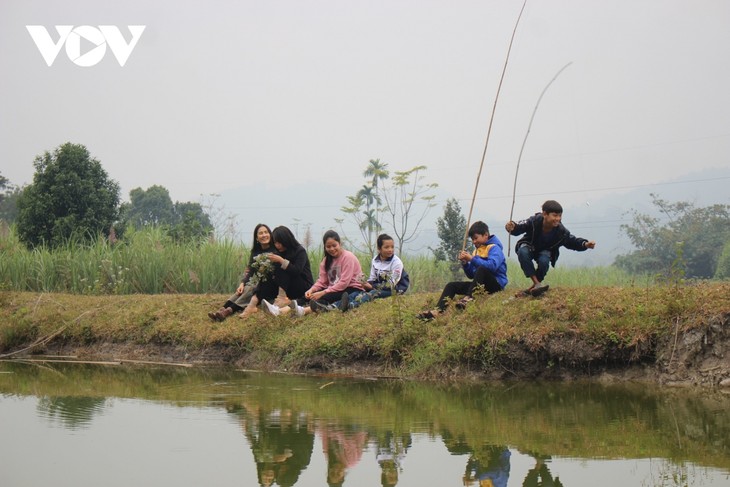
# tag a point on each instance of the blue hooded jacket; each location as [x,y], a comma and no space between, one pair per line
[491,256]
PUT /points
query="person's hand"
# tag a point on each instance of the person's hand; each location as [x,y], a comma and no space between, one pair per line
[464,256]
[313,296]
[310,295]
[509,226]
[276,259]
[590,244]
[367,286]
[239,290]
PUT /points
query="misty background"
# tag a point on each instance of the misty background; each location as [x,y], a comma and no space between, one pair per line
[272,110]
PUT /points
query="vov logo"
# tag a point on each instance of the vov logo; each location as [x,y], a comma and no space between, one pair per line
[99,38]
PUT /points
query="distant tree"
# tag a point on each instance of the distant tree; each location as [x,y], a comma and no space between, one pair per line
[71,194]
[700,233]
[450,228]
[362,218]
[407,189]
[723,263]
[377,171]
[8,200]
[152,206]
[190,222]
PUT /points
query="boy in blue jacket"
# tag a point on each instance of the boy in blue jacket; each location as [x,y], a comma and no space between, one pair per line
[544,235]
[486,267]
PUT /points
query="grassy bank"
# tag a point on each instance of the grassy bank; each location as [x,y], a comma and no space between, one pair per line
[579,329]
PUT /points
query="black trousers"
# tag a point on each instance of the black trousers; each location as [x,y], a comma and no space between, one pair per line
[482,277]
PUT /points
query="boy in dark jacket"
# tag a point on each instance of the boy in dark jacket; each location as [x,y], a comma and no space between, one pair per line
[486,267]
[544,235]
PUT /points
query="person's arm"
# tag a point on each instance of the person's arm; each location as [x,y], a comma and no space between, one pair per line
[295,265]
[492,262]
[579,244]
[350,272]
[396,271]
[322,280]
[520,227]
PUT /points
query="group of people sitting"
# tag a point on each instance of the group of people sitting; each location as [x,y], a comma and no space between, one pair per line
[340,284]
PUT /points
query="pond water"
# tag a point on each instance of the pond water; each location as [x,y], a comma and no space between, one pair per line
[81,425]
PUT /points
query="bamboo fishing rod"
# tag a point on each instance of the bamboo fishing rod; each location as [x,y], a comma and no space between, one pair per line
[524,141]
[491,120]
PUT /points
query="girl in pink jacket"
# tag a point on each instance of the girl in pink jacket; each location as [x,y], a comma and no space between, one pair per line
[340,274]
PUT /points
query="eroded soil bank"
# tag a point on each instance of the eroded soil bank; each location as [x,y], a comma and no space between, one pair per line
[665,336]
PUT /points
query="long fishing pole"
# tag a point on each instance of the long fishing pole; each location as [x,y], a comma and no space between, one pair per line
[489,129]
[524,141]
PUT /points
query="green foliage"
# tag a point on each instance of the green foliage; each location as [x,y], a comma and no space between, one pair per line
[8,200]
[364,206]
[71,195]
[702,232]
[149,260]
[451,228]
[149,207]
[407,202]
[154,207]
[723,263]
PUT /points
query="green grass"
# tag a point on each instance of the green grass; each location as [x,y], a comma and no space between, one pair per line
[575,325]
[149,262]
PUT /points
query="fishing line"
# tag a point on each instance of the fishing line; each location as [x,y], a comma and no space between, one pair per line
[524,142]
[489,129]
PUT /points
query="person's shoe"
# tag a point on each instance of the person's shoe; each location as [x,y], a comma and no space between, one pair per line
[539,289]
[426,316]
[461,304]
[318,307]
[344,302]
[221,314]
[270,308]
[296,309]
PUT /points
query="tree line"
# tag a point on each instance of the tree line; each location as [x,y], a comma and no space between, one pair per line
[72,196]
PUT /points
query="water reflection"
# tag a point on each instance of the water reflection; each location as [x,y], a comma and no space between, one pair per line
[71,411]
[314,431]
[281,441]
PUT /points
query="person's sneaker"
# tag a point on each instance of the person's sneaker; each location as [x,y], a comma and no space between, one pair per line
[298,310]
[270,308]
[318,307]
[344,302]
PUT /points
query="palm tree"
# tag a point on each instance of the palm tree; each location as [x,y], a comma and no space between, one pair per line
[368,195]
[378,172]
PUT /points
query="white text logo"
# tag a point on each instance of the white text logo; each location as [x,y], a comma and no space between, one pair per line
[95,38]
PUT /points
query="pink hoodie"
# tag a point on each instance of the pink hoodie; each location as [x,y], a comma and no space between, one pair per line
[344,272]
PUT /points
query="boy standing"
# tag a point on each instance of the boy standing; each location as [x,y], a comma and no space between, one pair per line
[544,235]
[486,267]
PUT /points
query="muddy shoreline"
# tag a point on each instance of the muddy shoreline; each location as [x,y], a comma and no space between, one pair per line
[697,357]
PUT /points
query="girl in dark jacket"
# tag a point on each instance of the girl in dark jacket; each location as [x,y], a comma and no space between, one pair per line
[292,271]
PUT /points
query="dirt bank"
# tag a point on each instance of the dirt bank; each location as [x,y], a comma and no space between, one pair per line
[608,335]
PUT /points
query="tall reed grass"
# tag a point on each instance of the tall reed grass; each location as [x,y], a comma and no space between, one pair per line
[148,261]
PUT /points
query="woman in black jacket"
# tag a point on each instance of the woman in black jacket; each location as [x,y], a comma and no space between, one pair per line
[292,271]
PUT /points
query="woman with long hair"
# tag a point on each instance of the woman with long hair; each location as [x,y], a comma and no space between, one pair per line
[241,298]
[340,274]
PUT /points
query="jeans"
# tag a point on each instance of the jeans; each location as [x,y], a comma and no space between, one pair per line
[360,297]
[526,255]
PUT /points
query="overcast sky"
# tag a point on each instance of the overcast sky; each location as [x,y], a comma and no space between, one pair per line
[220,95]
